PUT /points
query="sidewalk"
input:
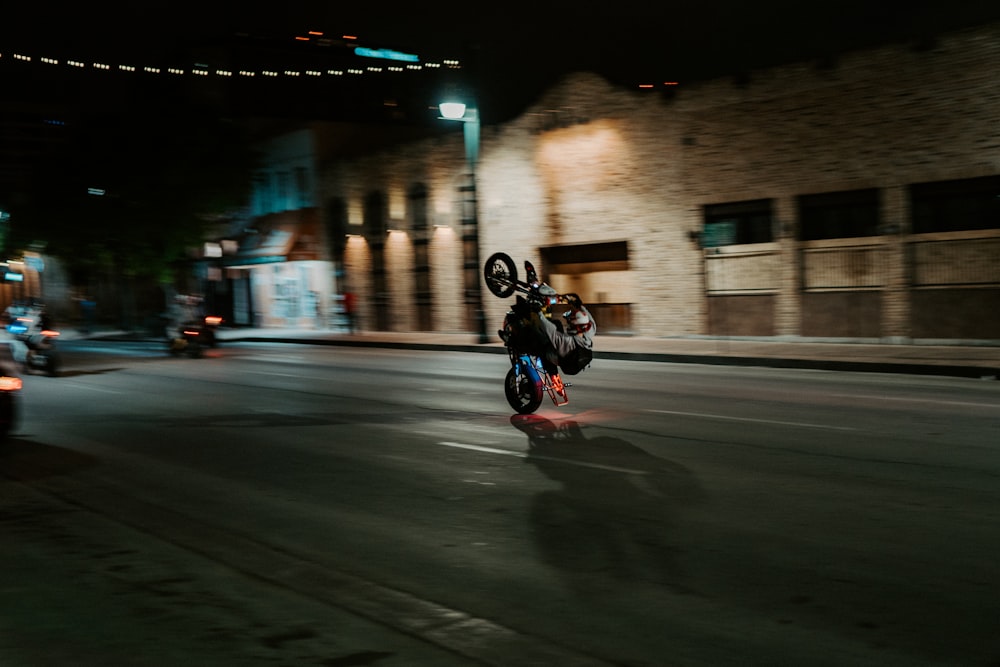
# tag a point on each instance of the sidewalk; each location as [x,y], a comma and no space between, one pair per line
[970,360]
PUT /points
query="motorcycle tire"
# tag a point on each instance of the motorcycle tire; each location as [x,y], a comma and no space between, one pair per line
[8,414]
[52,364]
[524,390]
[500,274]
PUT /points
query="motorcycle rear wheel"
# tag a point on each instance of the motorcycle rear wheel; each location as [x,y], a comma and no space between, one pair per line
[524,390]
[53,363]
[500,274]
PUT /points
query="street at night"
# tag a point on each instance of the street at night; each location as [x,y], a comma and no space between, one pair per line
[283,288]
[309,505]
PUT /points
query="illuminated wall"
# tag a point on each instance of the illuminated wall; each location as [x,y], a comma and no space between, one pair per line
[592,163]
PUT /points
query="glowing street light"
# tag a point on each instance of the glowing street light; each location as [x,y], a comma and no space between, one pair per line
[452,110]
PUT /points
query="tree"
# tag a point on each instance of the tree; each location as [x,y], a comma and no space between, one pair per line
[135,189]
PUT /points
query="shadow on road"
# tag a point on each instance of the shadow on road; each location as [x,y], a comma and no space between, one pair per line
[25,460]
[95,371]
[615,513]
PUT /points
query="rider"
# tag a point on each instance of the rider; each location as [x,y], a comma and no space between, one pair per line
[567,346]
[572,347]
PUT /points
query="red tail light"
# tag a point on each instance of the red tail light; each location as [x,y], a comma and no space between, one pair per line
[10,383]
[213,320]
[50,333]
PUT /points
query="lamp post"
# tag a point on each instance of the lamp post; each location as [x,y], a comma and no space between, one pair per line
[469,117]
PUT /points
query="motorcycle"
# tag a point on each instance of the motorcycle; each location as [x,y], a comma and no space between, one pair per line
[39,351]
[209,326]
[191,338]
[531,375]
[188,339]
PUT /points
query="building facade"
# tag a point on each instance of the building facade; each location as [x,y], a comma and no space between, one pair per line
[271,267]
[851,199]
[280,262]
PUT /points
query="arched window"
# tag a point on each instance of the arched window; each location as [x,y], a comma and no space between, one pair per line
[423,295]
[375,215]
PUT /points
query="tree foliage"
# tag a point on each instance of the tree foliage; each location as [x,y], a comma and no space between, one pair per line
[133,191]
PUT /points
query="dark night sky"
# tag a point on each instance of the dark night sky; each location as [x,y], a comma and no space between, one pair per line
[520,48]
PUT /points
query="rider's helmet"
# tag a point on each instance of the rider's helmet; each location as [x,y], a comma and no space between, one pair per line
[579,321]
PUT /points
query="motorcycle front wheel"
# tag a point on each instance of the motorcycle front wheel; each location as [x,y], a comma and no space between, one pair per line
[500,274]
[524,390]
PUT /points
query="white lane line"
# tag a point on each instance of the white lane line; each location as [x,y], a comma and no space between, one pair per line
[908,399]
[90,387]
[758,421]
[281,375]
[523,455]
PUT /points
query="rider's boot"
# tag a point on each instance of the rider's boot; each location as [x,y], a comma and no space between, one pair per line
[548,365]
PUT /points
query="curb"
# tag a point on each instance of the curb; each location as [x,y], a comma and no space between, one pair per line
[973,372]
[940,370]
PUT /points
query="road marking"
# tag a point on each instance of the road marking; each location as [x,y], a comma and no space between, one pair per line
[90,387]
[748,419]
[523,455]
[282,375]
[906,399]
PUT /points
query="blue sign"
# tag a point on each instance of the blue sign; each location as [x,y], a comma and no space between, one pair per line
[386,54]
[718,234]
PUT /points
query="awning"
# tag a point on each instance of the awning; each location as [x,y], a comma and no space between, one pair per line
[281,237]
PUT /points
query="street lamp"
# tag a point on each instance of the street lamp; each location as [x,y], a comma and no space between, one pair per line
[469,117]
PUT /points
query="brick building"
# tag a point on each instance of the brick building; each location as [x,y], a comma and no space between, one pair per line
[858,198]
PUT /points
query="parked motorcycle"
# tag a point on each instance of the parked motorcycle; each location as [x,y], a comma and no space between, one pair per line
[531,375]
[39,352]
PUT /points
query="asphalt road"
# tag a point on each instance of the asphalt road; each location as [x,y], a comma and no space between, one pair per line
[334,506]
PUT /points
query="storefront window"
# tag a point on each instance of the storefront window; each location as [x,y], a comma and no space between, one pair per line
[737,223]
[836,215]
[949,206]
